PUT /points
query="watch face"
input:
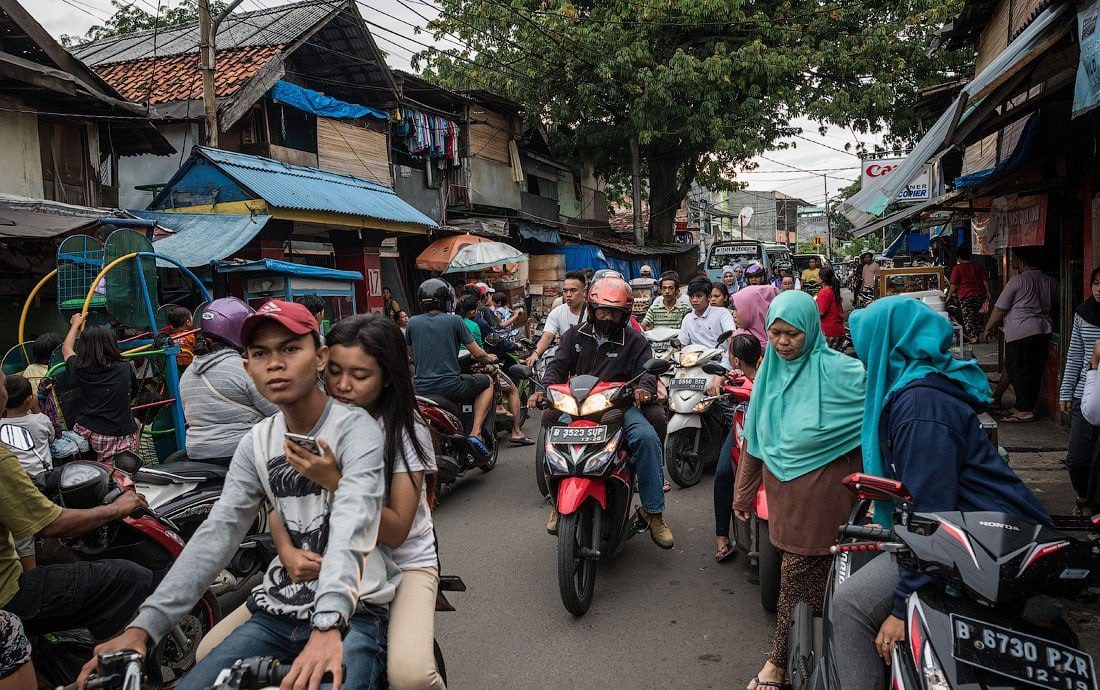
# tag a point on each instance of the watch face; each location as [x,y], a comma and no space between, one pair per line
[326,621]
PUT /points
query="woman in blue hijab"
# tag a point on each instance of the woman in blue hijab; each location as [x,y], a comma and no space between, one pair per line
[920,426]
[803,425]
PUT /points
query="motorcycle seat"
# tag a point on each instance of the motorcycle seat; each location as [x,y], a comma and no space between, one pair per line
[193,469]
[439,401]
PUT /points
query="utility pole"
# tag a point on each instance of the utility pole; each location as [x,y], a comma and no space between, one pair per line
[208,31]
[636,192]
[828,222]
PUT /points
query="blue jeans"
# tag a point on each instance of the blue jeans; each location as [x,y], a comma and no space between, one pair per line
[643,440]
[268,635]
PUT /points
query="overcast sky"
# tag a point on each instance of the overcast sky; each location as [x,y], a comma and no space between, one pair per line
[799,172]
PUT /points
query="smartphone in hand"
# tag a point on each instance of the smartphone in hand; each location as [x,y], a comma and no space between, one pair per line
[306,443]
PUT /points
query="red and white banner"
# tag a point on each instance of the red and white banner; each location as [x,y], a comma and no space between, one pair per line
[918,189]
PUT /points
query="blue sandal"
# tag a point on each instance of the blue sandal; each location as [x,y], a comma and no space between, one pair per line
[480,447]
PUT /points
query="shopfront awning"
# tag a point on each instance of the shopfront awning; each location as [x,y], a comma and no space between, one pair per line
[196,239]
[870,203]
[908,212]
[287,268]
[25,218]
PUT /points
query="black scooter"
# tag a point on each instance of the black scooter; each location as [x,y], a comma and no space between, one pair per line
[990,620]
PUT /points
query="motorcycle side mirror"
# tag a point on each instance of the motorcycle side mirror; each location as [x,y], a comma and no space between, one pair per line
[714,369]
[657,366]
[724,337]
[521,371]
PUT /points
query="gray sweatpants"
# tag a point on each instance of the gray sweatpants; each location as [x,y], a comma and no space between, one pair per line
[857,610]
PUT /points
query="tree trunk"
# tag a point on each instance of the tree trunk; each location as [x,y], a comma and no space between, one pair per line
[666,193]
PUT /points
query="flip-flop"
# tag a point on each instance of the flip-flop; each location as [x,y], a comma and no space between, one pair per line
[1016,420]
[479,446]
[769,683]
[667,486]
[730,552]
[524,441]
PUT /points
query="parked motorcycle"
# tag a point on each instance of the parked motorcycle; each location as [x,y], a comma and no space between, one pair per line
[590,471]
[982,623]
[753,537]
[448,422]
[696,428]
[184,491]
[145,538]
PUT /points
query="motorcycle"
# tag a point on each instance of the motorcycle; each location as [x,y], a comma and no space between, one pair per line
[540,439]
[590,472]
[448,422]
[981,623]
[696,427]
[509,352]
[184,491]
[145,537]
[753,538]
[123,670]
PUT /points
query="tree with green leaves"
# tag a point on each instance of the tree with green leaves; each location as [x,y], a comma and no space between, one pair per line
[702,85]
[128,18]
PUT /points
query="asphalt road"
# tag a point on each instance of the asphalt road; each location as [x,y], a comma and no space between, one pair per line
[659,619]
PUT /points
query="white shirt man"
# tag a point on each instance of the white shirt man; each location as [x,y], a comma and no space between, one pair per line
[705,323]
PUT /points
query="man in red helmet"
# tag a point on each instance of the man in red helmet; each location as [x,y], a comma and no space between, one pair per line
[604,347]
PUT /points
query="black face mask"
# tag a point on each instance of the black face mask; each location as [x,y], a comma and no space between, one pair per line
[607,329]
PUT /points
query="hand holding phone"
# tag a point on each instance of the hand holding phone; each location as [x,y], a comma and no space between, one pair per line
[306,443]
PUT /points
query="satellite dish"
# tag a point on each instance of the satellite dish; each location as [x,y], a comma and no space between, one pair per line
[745,215]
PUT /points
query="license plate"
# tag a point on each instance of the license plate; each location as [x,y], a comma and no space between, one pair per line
[689,384]
[1021,657]
[578,435]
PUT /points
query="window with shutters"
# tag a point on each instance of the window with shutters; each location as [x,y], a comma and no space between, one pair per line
[65,169]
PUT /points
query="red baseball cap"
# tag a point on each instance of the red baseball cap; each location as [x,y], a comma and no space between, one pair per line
[292,316]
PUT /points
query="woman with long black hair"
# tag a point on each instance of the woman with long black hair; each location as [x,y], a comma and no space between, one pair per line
[831,308]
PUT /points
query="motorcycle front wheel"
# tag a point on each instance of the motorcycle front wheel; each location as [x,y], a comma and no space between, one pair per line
[684,465]
[770,568]
[540,462]
[576,572]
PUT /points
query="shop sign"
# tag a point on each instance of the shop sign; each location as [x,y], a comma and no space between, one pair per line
[1015,221]
[918,189]
[1086,89]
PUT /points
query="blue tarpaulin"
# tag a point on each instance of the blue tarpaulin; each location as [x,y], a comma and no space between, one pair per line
[920,240]
[539,232]
[1018,154]
[288,268]
[581,256]
[200,238]
[318,103]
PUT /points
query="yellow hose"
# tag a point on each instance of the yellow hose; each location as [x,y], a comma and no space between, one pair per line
[27,307]
[95,282]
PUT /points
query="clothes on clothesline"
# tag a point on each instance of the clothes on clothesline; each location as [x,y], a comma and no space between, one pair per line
[429,135]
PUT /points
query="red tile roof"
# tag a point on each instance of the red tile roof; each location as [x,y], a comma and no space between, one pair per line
[177,78]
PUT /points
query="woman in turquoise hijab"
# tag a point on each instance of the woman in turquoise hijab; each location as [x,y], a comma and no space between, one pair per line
[920,426]
[803,427]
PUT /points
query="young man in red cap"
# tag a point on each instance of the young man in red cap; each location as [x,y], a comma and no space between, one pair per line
[345,609]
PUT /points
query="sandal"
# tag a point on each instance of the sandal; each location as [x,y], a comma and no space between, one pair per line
[1012,419]
[726,553]
[521,441]
[667,486]
[770,683]
[479,447]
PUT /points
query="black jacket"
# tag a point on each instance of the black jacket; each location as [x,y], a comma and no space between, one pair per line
[619,360]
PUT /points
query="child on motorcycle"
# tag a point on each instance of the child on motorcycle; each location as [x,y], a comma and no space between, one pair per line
[920,426]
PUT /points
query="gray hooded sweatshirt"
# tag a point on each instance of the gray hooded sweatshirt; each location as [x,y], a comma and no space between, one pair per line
[216,423]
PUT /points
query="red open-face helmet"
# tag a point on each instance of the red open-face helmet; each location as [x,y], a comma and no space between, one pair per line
[611,293]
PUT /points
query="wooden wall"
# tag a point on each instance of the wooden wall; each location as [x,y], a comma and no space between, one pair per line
[353,149]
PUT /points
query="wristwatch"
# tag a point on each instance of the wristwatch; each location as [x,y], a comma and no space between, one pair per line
[328,620]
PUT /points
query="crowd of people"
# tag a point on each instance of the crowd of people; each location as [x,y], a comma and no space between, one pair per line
[352,591]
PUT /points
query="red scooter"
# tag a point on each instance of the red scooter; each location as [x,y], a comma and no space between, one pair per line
[752,534]
[590,476]
[144,538]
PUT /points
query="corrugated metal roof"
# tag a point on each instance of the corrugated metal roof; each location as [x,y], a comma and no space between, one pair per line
[297,187]
[269,27]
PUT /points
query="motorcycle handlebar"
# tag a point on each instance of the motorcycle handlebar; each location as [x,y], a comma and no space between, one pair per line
[867,532]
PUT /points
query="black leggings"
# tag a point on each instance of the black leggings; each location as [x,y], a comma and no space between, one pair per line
[1083,451]
[724,478]
[1025,360]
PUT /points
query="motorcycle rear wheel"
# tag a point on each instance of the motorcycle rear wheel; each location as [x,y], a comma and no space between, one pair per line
[440,664]
[683,465]
[577,575]
[770,568]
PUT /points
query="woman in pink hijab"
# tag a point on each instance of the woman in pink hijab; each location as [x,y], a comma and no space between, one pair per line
[750,306]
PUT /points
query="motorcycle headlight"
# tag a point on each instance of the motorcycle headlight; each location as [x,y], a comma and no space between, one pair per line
[934,678]
[702,406]
[599,462]
[688,359]
[557,462]
[595,404]
[564,403]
